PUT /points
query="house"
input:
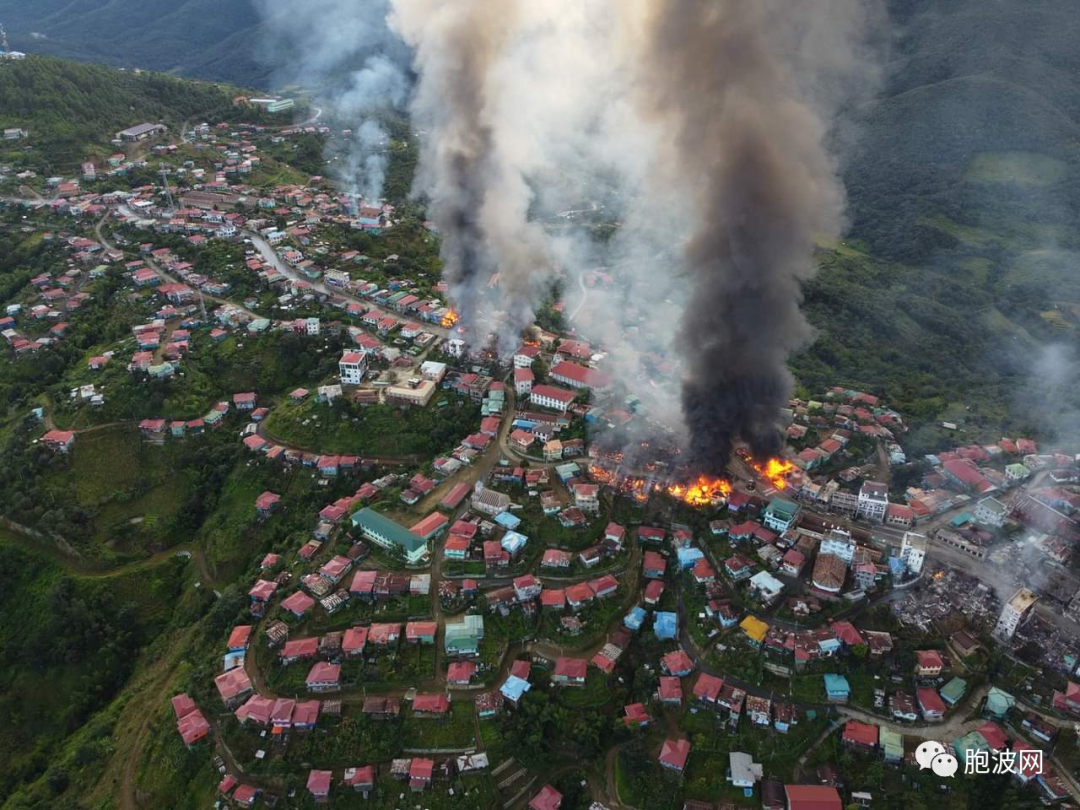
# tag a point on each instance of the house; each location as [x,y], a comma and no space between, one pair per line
[654,565]
[812,797]
[233,686]
[431,705]
[239,638]
[792,562]
[677,664]
[873,501]
[351,368]
[463,638]
[318,784]
[862,736]
[670,690]
[829,574]
[61,440]
[298,604]
[635,715]
[420,773]
[743,772]
[707,689]
[991,512]
[754,629]
[324,677]
[837,689]
[930,704]
[570,671]
[362,780]
[780,514]
[551,397]
[244,401]
[953,692]
[674,753]
[547,799]
[389,534]
[903,707]
[928,663]
[460,673]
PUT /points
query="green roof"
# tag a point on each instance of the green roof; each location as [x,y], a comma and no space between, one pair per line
[782,507]
[972,741]
[378,524]
[998,702]
[464,635]
[1018,469]
[892,744]
[954,690]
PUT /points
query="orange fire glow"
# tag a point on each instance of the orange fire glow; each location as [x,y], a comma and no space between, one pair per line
[450,318]
[704,491]
[775,470]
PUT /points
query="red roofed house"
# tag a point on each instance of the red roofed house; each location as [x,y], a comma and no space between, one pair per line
[707,688]
[421,632]
[931,704]
[59,440]
[354,641]
[860,735]
[239,637]
[266,503]
[570,671]
[420,772]
[324,677]
[298,604]
[636,715]
[674,753]
[298,649]
[670,690]
[318,784]
[362,780]
[460,673]
[547,799]
[677,663]
[654,565]
[812,797]
[233,686]
[928,663]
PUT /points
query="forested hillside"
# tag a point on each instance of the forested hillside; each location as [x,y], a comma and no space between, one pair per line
[202,38]
[67,105]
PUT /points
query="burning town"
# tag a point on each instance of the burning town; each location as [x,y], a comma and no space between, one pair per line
[540,405]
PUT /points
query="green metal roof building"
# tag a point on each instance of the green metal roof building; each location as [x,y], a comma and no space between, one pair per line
[972,741]
[463,638]
[380,529]
[892,745]
[780,514]
[998,702]
[953,692]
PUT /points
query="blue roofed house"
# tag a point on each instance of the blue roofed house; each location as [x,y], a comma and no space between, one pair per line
[635,618]
[514,689]
[953,692]
[508,520]
[666,625]
[513,543]
[998,702]
[837,689]
[688,557]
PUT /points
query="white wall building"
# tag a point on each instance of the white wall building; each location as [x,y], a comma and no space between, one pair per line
[840,543]
[352,366]
[873,501]
[1015,612]
[913,551]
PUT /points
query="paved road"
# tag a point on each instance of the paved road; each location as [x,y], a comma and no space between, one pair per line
[271,257]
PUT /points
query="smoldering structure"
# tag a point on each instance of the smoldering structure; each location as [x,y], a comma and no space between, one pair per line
[737,87]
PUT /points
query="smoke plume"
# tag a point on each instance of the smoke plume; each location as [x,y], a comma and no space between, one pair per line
[343,51]
[744,92]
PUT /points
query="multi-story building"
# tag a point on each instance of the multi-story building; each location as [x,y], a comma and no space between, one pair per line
[913,551]
[840,543]
[873,501]
[352,366]
[991,512]
[1015,612]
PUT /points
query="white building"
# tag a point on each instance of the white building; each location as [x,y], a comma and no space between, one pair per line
[873,501]
[767,587]
[433,371]
[548,396]
[523,381]
[991,512]
[352,367]
[1015,612]
[913,551]
[311,327]
[839,543]
[744,772]
[455,347]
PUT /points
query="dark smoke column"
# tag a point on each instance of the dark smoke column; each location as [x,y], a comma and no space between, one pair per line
[735,85]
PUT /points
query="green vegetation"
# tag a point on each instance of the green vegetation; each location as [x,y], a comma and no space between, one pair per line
[457,730]
[69,108]
[1028,168]
[69,635]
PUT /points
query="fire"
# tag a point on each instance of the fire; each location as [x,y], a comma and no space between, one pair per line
[704,491]
[775,470]
[939,574]
[450,318]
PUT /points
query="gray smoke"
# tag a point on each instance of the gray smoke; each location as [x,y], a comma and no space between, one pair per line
[744,92]
[343,51]
[470,170]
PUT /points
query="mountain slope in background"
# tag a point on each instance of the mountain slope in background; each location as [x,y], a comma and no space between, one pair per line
[207,39]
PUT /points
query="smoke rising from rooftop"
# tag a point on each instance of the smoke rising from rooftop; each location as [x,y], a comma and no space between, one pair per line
[745,93]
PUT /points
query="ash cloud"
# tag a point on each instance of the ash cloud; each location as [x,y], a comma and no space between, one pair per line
[357,68]
[745,93]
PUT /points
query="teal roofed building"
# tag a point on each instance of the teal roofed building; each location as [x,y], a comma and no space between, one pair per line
[380,529]
[953,692]
[972,741]
[258,325]
[780,514]
[837,689]
[998,702]
[892,745]
[464,637]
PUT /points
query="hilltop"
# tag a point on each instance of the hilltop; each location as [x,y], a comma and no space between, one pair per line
[196,38]
[70,106]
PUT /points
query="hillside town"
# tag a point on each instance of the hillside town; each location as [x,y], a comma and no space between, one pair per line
[770,640]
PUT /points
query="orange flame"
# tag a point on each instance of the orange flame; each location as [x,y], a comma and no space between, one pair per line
[704,491]
[776,470]
[450,318]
